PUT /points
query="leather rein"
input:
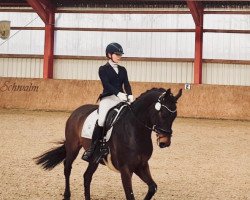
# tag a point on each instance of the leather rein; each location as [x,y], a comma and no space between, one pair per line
[154,126]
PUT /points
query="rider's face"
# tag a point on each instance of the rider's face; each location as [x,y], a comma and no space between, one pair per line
[116,57]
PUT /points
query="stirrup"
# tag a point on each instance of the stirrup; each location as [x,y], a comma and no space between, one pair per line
[102,152]
[104,149]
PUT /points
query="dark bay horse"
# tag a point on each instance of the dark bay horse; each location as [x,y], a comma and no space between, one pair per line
[130,143]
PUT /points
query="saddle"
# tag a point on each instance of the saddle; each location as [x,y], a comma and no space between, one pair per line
[114,114]
[112,117]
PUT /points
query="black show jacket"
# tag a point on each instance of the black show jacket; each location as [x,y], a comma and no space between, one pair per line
[112,82]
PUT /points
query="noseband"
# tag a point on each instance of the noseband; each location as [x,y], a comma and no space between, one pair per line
[172,111]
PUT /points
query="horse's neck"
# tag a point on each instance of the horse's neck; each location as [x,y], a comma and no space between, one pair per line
[142,109]
[145,102]
[137,135]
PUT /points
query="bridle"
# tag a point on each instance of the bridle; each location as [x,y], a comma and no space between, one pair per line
[172,111]
[154,128]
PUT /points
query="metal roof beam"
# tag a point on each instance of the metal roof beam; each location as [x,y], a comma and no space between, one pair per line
[40,10]
[48,5]
[196,9]
[43,8]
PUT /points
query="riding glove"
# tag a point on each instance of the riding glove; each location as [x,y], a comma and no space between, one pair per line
[122,96]
[130,98]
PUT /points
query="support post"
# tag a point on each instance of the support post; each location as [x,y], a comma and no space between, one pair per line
[48,60]
[46,11]
[197,10]
[198,55]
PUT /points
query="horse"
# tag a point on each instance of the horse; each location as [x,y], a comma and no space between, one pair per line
[130,143]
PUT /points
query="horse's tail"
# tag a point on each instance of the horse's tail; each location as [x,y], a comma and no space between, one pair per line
[52,157]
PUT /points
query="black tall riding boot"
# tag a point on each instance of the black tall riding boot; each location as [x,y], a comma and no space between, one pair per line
[97,134]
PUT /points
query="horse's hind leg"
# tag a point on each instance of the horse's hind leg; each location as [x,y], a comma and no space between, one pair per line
[71,154]
[92,167]
[145,175]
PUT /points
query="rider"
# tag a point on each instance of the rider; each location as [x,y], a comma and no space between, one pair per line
[113,77]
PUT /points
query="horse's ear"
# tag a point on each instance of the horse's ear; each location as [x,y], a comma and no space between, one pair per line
[178,95]
[168,92]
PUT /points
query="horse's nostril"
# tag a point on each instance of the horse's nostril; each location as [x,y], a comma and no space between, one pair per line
[162,145]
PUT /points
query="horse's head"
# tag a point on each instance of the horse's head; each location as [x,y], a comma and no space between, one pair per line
[162,115]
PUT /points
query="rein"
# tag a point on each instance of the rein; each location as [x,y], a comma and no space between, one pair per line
[153,128]
[138,119]
[160,133]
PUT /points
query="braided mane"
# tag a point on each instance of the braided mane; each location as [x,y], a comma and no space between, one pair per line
[153,90]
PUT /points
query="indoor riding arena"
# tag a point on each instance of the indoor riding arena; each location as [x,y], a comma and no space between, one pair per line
[50,53]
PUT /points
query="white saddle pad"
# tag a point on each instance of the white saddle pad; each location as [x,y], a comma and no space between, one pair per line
[89,125]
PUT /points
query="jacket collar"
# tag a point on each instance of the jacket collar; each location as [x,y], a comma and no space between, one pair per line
[118,66]
[112,64]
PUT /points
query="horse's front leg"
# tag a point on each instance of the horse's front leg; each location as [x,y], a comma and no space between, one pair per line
[88,178]
[126,176]
[144,173]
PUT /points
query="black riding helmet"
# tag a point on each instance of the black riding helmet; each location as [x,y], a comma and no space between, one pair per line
[114,48]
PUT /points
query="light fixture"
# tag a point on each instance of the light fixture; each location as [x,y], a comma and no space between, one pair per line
[4,29]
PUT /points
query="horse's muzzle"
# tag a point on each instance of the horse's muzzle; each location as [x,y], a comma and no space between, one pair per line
[163,140]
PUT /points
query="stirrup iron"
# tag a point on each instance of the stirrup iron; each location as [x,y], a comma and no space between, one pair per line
[102,151]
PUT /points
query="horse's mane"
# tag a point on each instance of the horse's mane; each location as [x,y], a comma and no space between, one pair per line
[160,90]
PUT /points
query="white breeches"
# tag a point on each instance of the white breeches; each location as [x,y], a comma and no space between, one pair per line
[105,104]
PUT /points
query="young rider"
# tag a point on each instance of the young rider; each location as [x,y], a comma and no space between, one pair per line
[114,78]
